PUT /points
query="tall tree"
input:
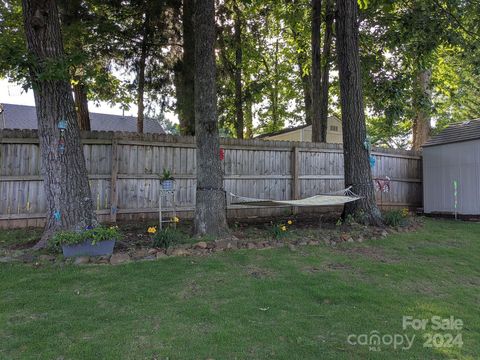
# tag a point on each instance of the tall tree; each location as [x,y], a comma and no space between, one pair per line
[141,65]
[318,133]
[326,57]
[239,122]
[211,202]
[81,105]
[357,166]
[73,17]
[231,55]
[187,104]
[69,201]
[422,100]
[295,11]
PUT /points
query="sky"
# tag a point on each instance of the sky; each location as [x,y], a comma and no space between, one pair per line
[11,93]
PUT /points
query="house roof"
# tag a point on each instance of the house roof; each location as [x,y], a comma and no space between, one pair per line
[25,117]
[289,129]
[464,131]
[282,131]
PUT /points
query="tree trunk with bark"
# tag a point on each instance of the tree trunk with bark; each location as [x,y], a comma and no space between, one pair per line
[210,209]
[141,75]
[187,123]
[305,78]
[274,92]
[81,106]
[307,89]
[356,157]
[422,100]
[239,121]
[248,118]
[69,201]
[317,135]
[327,45]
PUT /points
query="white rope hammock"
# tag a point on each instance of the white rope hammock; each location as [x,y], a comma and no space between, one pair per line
[335,198]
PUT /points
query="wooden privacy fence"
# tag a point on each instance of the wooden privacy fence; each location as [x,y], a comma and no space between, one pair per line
[124,170]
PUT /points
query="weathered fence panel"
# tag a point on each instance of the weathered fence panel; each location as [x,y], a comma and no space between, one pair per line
[125,169]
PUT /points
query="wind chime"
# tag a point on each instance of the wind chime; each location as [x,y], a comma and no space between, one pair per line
[383,186]
[367,144]
[62,126]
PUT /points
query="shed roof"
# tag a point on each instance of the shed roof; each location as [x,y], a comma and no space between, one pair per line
[25,117]
[464,131]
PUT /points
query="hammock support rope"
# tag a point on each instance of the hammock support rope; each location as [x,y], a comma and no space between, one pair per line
[331,199]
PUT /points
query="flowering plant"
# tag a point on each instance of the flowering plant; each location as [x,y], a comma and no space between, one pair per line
[94,235]
[280,230]
[152,230]
[165,237]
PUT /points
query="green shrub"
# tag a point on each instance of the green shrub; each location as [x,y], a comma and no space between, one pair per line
[168,237]
[395,217]
[279,231]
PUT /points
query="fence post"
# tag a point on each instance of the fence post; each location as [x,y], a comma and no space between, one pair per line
[295,176]
[113,182]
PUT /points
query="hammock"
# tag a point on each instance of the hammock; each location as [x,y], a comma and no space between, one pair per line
[335,198]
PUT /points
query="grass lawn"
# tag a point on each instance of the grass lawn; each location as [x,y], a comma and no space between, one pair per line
[250,304]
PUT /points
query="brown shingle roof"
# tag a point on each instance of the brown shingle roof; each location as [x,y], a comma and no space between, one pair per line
[464,131]
[25,117]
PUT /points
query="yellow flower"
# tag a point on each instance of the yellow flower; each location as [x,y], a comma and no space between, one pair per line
[152,230]
[289,222]
[175,219]
[283,228]
[405,212]
[113,227]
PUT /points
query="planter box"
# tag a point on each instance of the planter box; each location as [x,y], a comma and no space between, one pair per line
[167,184]
[87,249]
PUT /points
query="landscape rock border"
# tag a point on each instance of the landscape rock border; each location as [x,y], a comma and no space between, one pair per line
[203,248]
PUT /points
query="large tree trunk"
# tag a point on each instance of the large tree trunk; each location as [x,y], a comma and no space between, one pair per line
[422,99]
[141,76]
[69,201]
[238,73]
[81,106]
[307,88]
[304,75]
[327,44]
[187,123]
[317,135]
[179,95]
[248,118]
[210,210]
[70,12]
[356,162]
[274,93]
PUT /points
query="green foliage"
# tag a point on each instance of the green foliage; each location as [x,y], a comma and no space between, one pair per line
[279,231]
[166,175]
[395,217]
[168,237]
[13,56]
[397,39]
[95,235]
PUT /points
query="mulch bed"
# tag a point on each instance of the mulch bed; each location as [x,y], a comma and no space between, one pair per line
[250,234]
